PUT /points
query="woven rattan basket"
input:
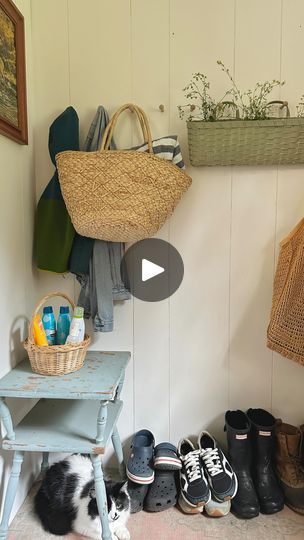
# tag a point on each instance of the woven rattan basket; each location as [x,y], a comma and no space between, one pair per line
[277,141]
[55,359]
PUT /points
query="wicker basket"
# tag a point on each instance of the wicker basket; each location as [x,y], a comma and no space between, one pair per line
[277,141]
[56,359]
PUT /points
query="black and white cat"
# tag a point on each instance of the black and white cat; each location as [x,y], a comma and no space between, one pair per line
[66,501]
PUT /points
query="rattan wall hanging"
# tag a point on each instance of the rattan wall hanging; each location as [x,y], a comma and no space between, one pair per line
[248,129]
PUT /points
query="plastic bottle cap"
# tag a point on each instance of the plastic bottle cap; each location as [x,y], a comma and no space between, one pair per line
[78,312]
[64,309]
[48,309]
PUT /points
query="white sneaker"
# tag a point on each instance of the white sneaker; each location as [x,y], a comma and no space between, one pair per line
[217,509]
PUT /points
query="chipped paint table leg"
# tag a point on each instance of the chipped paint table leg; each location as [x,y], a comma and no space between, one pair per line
[101,497]
[119,453]
[102,421]
[45,463]
[7,419]
[11,491]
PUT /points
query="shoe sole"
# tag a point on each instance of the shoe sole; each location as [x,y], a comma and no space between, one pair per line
[189,508]
[172,464]
[140,479]
[216,512]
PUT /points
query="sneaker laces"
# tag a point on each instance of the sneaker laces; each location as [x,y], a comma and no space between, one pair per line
[212,461]
[192,465]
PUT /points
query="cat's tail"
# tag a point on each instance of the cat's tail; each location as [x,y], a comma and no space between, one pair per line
[53,521]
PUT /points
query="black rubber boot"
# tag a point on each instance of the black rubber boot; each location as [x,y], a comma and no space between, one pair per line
[263,442]
[245,504]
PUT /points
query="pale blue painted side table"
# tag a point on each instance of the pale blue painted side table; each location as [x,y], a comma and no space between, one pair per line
[77,412]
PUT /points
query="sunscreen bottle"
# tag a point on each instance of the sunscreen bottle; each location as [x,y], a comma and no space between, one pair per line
[39,332]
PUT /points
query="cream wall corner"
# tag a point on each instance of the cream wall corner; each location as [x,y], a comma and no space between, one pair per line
[17,291]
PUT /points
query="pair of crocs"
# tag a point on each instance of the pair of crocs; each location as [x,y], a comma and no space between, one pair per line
[145,458]
[152,474]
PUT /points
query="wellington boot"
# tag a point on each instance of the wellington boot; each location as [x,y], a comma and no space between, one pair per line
[269,492]
[245,504]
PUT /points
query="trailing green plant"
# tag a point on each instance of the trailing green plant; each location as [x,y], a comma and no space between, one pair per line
[251,104]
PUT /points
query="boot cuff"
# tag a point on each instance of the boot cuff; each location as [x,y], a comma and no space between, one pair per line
[261,419]
[237,421]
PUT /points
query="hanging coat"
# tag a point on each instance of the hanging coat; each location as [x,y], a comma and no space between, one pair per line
[82,248]
[54,229]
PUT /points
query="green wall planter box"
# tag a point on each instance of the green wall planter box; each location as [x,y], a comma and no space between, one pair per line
[277,141]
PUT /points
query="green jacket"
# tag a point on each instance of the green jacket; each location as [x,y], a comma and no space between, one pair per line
[54,229]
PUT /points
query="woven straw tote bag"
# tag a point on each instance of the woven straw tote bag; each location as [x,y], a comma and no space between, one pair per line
[120,195]
[285,333]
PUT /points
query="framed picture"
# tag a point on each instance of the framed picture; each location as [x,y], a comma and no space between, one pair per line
[13,114]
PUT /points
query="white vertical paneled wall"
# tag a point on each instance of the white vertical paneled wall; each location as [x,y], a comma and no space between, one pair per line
[200,230]
[288,376]
[257,57]
[203,350]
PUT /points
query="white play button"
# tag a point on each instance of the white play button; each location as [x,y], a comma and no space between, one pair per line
[155,269]
[150,269]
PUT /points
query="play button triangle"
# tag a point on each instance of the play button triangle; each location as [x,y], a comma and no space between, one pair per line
[150,269]
[155,269]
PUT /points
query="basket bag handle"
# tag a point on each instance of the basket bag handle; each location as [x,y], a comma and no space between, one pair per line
[223,104]
[143,120]
[39,306]
[283,105]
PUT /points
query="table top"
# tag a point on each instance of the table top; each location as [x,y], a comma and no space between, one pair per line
[97,379]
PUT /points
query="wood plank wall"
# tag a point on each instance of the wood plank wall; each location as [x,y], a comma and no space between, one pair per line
[203,350]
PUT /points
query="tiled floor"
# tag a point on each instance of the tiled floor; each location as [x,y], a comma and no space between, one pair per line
[173,525]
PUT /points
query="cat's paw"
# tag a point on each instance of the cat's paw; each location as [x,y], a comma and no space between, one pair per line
[122,533]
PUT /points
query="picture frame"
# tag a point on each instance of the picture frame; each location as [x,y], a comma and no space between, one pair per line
[13,104]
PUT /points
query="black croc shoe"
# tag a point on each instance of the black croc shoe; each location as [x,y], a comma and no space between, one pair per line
[163,493]
[137,494]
